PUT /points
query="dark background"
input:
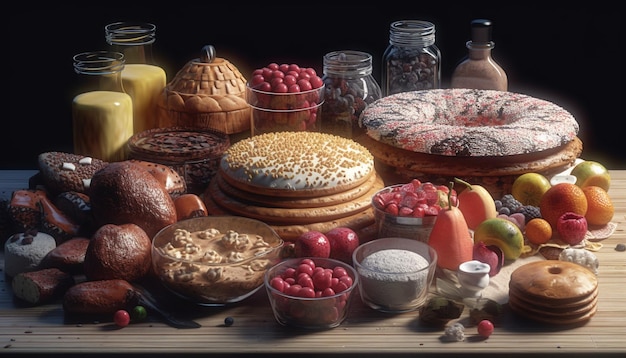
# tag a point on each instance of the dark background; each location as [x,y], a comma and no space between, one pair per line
[567,55]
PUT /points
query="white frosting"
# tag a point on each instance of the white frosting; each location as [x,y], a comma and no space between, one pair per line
[297,160]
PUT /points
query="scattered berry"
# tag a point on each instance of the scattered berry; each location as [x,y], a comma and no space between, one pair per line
[121,318]
[139,313]
[620,247]
[485,328]
[509,201]
[530,212]
[228,321]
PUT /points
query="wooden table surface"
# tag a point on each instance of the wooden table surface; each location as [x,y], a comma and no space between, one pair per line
[45,330]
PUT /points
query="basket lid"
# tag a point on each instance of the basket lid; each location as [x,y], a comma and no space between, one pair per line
[208,75]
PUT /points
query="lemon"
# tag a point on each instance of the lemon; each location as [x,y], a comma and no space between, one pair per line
[590,173]
[528,188]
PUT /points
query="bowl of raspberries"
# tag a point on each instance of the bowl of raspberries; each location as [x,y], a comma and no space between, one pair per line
[285,97]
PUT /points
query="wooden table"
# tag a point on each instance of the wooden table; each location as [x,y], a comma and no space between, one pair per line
[44,330]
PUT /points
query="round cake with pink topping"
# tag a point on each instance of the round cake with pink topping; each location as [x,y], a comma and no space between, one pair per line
[485,136]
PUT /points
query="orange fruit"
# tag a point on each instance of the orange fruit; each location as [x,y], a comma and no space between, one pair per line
[560,199]
[538,231]
[599,206]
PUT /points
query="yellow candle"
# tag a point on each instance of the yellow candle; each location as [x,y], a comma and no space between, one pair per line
[144,84]
[103,123]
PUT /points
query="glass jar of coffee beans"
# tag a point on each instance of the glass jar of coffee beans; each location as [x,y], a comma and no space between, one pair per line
[349,88]
[412,61]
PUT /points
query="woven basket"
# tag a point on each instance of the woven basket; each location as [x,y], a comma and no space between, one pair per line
[207,93]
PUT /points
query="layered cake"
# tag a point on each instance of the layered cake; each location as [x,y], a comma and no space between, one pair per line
[296,182]
[486,137]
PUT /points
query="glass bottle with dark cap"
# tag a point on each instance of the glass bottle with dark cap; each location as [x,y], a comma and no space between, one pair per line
[478,70]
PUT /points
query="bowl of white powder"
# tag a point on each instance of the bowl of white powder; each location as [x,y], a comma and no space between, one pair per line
[395,273]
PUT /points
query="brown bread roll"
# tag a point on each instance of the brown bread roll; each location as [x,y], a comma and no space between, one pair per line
[190,206]
[41,286]
[69,256]
[118,252]
[99,297]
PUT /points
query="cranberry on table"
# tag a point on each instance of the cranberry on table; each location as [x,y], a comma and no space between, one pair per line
[121,318]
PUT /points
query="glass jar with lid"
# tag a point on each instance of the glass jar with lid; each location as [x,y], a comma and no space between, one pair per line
[348,88]
[143,79]
[412,60]
[102,112]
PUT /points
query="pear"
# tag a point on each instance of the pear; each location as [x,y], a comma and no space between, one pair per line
[476,204]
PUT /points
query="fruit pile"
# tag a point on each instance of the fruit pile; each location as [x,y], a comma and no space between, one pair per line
[559,210]
[414,199]
[285,97]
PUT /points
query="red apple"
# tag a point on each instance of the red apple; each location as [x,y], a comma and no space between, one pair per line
[343,242]
[312,244]
[571,228]
[491,255]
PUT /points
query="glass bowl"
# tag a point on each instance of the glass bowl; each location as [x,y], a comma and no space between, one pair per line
[326,301]
[398,225]
[277,112]
[395,274]
[215,260]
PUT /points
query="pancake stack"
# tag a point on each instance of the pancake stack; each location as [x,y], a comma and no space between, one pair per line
[554,292]
[297,182]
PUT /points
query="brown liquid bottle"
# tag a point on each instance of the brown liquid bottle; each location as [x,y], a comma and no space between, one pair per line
[478,70]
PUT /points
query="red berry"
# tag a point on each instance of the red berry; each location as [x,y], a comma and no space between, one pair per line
[485,328]
[121,318]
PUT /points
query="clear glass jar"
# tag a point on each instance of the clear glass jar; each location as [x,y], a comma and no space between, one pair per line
[478,70]
[412,61]
[143,80]
[133,39]
[102,113]
[348,88]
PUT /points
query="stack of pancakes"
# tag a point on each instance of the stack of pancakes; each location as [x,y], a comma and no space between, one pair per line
[297,182]
[554,292]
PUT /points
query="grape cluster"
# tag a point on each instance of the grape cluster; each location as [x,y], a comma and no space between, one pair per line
[508,205]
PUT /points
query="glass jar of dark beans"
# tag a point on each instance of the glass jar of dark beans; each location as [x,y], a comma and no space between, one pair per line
[349,88]
[412,61]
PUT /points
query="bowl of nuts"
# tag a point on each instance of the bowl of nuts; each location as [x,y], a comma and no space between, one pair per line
[284,97]
[215,260]
[311,292]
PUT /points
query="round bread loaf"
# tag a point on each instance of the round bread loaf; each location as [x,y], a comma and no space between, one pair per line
[118,252]
[125,192]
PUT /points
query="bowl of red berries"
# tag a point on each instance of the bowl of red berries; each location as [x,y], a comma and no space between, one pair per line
[285,97]
[311,292]
[409,210]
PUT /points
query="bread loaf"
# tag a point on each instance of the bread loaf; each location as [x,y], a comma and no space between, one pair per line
[41,286]
[125,192]
[69,256]
[99,297]
[118,252]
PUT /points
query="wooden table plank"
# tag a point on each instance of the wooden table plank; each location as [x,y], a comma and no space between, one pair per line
[43,329]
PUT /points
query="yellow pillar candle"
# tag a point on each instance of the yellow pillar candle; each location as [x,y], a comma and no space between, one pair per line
[103,123]
[144,84]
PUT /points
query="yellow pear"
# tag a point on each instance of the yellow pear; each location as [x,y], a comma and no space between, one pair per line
[476,204]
